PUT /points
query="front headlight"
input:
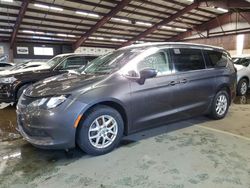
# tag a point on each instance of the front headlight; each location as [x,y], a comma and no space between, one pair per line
[48,103]
[7,80]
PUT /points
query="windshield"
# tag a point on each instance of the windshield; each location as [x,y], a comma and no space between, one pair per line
[18,66]
[241,61]
[109,63]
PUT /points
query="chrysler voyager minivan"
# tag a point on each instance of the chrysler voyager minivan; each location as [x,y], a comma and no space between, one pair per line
[130,89]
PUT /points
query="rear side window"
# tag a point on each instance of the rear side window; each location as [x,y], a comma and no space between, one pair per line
[215,58]
[187,59]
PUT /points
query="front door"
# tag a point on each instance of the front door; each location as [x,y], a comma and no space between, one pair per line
[153,102]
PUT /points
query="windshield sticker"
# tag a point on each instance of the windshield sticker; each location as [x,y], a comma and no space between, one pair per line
[177,51]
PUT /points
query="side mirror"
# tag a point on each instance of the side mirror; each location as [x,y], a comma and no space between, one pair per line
[142,76]
[147,73]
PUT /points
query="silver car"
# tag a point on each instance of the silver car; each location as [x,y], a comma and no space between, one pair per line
[243,74]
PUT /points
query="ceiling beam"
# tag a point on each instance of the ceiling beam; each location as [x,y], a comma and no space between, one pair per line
[20,17]
[246,16]
[215,22]
[162,23]
[57,14]
[100,23]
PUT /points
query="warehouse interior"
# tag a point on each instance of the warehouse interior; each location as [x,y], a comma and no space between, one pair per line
[194,152]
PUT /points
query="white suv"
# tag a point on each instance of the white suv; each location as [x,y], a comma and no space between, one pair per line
[242,64]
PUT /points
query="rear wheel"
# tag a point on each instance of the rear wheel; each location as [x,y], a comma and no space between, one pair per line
[220,105]
[242,87]
[101,131]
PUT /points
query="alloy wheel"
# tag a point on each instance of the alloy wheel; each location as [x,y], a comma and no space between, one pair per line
[243,88]
[103,131]
[221,104]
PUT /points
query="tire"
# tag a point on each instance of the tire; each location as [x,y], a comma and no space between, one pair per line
[20,91]
[89,127]
[242,87]
[222,99]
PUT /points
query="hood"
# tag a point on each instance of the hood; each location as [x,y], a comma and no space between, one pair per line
[32,66]
[67,83]
[239,67]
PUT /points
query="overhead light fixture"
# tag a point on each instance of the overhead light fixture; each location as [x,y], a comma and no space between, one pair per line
[56,8]
[118,40]
[48,7]
[39,32]
[65,35]
[3,29]
[180,29]
[96,38]
[143,23]
[72,36]
[222,9]
[173,28]
[9,1]
[61,35]
[166,27]
[120,20]
[33,32]
[28,31]
[41,6]
[139,42]
[87,14]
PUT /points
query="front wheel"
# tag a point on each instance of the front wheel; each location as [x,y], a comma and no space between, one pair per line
[101,131]
[220,105]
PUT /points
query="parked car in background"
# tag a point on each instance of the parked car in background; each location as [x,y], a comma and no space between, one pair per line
[13,84]
[25,67]
[125,91]
[4,66]
[242,64]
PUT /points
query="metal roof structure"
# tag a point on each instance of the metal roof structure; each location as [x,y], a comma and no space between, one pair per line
[115,23]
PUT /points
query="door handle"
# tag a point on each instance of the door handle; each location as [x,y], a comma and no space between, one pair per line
[172,83]
[183,81]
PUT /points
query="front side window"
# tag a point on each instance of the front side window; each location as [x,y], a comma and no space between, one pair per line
[215,58]
[187,59]
[156,61]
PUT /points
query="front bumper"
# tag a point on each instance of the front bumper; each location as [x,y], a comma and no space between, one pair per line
[48,129]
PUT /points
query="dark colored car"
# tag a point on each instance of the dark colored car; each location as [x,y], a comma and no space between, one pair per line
[3,66]
[12,85]
[128,90]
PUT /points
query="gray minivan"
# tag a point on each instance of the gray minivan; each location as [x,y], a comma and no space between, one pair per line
[130,89]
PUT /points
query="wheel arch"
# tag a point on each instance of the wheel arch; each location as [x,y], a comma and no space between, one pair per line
[117,105]
[19,86]
[228,90]
[245,77]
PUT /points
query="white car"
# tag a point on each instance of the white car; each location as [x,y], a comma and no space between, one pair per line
[24,67]
[242,64]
